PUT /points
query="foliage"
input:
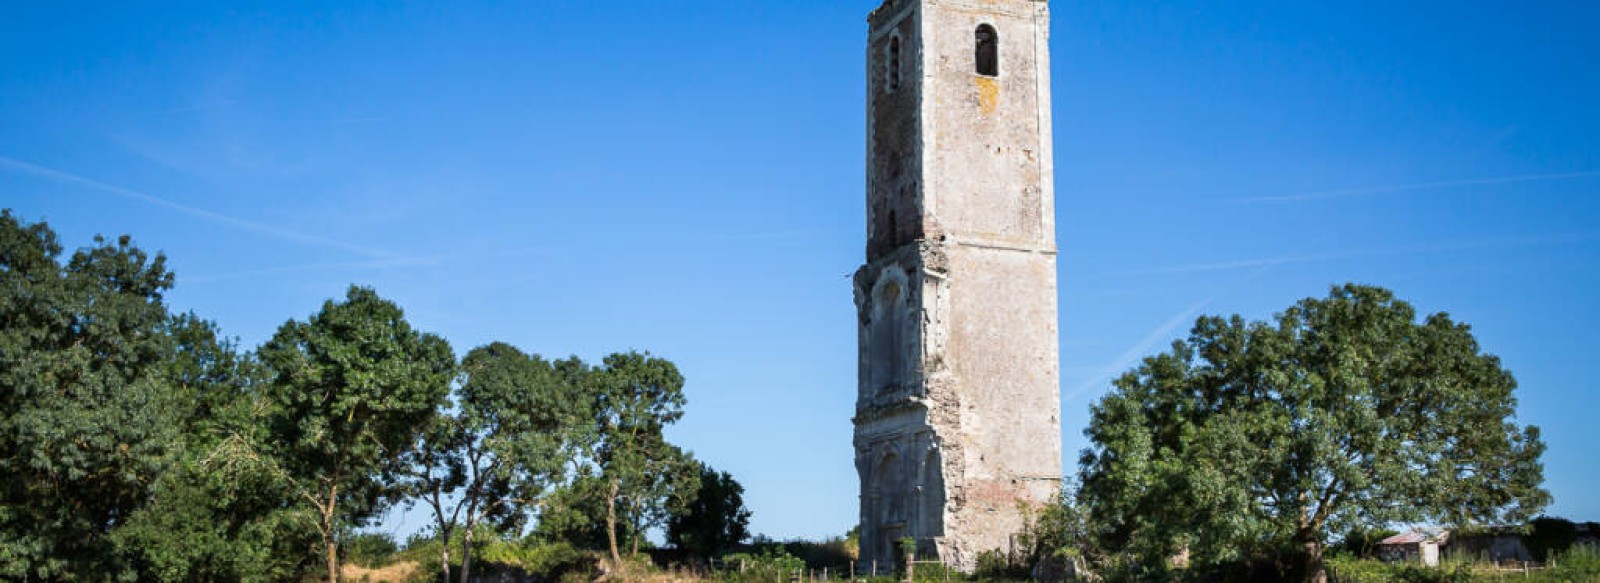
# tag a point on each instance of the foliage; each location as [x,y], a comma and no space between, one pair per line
[352,388]
[498,553]
[370,549]
[500,450]
[1548,536]
[1580,562]
[1362,542]
[1350,570]
[834,553]
[1250,438]
[222,512]
[638,475]
[550,560]
[1059,530]
[770,560]
[715,521]
[87,420]
[992,565]
[136,444]
[575,513]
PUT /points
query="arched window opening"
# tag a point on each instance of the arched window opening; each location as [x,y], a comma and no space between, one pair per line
[894,63]
[988,52]
[932,501]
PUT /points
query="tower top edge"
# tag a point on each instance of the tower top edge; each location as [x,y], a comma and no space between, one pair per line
[891,5]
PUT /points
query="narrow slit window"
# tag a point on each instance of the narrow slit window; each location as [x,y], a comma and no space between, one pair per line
[894,63]
[988,51]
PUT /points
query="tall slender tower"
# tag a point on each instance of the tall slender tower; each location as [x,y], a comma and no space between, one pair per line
[957,415]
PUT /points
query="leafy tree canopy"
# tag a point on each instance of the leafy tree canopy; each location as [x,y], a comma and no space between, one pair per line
[639,476]
[504,445]
[352,389]
[223,512]
[715,521]
[1253,437]
[87,421]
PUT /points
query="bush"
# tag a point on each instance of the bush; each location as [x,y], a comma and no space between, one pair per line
[993,565]
[1550,536]
[1352,570]
[835,553]
[370,549]
[1362,542]
[772,564]
[553,561]
[1579,563]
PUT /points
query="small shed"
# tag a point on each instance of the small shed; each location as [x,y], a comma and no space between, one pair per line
[1416,545]
[1499,544]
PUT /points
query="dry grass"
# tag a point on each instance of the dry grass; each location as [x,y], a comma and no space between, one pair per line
[400,572]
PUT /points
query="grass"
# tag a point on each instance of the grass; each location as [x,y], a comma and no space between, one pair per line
[1579,564]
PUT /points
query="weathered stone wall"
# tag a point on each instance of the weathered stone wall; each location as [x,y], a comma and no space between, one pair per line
[958,403]
[894,166]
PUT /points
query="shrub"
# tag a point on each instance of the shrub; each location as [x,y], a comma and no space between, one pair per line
[1351,570]
[993,564]
[772,564]
[1579,563]
[1550,536]
[370,549]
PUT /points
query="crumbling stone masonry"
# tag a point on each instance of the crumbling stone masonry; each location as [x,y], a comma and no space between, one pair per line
[957,415]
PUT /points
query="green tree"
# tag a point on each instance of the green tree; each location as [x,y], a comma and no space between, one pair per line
[575,513]
[1256,437]
[501,449]
[1549,536]
[1362,541]
[642,477]
[222,512]
[87,419]
[715,521]
[1059,531]
[352,389]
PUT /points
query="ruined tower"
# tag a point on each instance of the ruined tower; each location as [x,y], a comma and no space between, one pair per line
[957,412]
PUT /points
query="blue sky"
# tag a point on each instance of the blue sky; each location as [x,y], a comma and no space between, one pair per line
[579,177]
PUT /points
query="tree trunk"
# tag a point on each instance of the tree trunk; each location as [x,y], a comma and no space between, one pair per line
[330,541]
[611,523]
[1316,571]
[466,553]
[331,547]
[444,555]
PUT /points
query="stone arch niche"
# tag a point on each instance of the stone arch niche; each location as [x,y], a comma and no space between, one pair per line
[889,486]
[890,327]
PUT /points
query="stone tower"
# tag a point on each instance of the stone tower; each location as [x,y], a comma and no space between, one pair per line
[957,412]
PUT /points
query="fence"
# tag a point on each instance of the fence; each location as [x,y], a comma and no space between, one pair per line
[845,572]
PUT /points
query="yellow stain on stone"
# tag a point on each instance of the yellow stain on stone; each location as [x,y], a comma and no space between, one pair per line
[988,94]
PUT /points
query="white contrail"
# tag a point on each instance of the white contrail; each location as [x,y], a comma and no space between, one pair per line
[344,266]
[1138,350]
[212,216]
[1163,332]
[1436,247]
[1417,186]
